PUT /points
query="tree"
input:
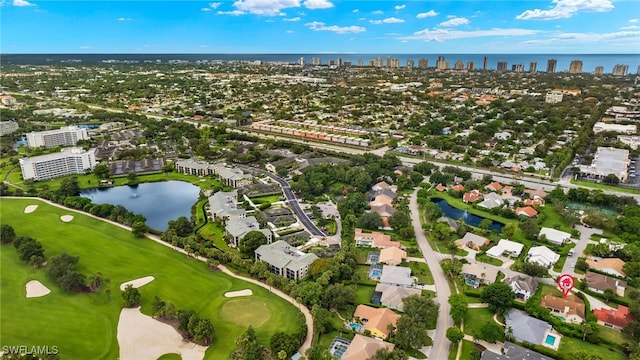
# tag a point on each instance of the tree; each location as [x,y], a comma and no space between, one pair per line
[485,223]
[423,309]
[508,230]
[131,296]
[587,328]
[583,355]
[95,281]
[182,226]
[370,221]
[338,296]
[102,171]
[608,295]
[385,354]
[72,281]
[455,335]
[400,220]
[491,332]
[28,247]
[284,342]
[611,179]
[321,319]
[157,305]
[250,242]
[459,308]
[534,269]
[410,333]
[499,296]
[138,228]
[530,228]
[7,233]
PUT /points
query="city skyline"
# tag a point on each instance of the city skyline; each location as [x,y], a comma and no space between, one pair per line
[320,26]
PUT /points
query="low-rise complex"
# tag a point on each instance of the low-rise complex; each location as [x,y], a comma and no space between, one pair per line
[284,260]
[606,161]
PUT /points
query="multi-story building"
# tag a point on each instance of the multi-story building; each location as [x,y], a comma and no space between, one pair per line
[423,63]
[502,66]
[485,63]
[575,67]
[599,70]
[470,66]
[69,161]
[551,65]
[284,260]
[608,160]
[442,64]
[65,136]
[620,70]
[459,65]
[316,61]
[553,97]
[517,67]
[410,64]
[360,62]
[8,127]
[533,66]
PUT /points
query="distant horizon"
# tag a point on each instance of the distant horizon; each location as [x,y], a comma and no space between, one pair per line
[310,53]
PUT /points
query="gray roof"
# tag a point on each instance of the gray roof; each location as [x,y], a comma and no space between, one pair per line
[194,164]
[386,192]
[396,275]
[524,282]
[224,203]
[233,174]
[393,295]
[514,352]
[240,227]
[491,200]
[281,255]
[525,327]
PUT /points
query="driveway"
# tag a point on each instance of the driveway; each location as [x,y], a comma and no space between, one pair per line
[581,244]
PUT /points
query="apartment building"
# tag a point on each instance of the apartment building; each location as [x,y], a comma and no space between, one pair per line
[69,161]
[65,136]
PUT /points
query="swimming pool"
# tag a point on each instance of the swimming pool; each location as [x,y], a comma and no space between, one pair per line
[356,327]
[375,273]
[550,340]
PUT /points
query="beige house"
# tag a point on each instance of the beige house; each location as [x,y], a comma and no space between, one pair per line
[571,309]
[392,256]
[363,347]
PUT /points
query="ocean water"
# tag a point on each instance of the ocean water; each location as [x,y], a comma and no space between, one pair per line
[590,61]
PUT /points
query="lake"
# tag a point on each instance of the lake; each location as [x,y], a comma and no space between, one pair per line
[469,219]
[159,202]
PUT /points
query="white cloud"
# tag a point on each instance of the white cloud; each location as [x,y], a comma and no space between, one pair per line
[215,5]
[427,14]
[633,21]
[124,19]
[21,3]
[265,7]
[317,4]
[391,20]
[233,12]
[294,19]
[441,35]
[454,21]
[566,9]
[290,31]
[205,9]
[400,7]
[630,27]
[203,46]
[630,37]
[355,11]
[320,26]
[378,12]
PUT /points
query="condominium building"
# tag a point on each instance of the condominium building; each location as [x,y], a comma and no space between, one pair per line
[619,128]
[575,67]
[459,65]
[442,64]
[485,61]
[551,65]
[410,64]
[553,97]
[599,70]
[8,127]
[620,70]
[69,161]
[470,66]
[502,66]
[65,136]
[284,260]
[423,63]
[533,66]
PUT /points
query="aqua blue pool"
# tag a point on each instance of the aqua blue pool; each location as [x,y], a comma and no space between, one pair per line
[356,327]
[375,274]
[550,340]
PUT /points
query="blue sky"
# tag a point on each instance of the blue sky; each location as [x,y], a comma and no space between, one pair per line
[320,26]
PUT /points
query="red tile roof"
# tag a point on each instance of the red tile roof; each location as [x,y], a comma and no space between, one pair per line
[620,318]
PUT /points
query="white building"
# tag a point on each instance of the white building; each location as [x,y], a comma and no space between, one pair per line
[608,160]
[8,127]
[65,136]
[506,248]
[553,97]
[284,260]
[542,255]
[554,236]
[632,140]
[69,161]
[619,128]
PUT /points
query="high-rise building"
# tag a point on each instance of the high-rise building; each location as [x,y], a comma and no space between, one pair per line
[533,66]
[517,67]
[65,136]
[599,70]
[395,63]
[316,61]
[575,67]
[301,61]
[459,65]
[69,161]
[502,66]
[339,61]
[551,65]
[410,64]
[470,66]
[638,71]
[441,64]
[331,62]
[620,70]
[423,63]
[388,61]
[347,63]
[485,63]
[360,62]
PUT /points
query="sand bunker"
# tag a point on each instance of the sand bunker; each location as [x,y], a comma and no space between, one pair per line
[29,209]
[142,337]
[137,282]
[36,289]
[66,218]
[245,292]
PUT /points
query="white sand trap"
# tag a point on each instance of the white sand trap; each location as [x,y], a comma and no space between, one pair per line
[29,209]
[245,292]
[141,337]
[36,289]
[66,218]
[137,282]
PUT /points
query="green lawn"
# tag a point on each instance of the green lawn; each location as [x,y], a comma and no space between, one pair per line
[363,294]
[474,320]
[569,345]
[84,325]
[421,271]
[605,187]
[465,354]
[488,259]
[266,199]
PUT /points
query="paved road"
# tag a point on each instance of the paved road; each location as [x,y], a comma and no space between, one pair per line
[585,237]
[441,345]
[293,201]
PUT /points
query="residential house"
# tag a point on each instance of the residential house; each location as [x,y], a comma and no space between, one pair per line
[224,205]
[522,285]
[376,320]
[599,283]
[611,266]
[534,202]
[616,319]
[472,241]
[478,274]
[396,275]
[542,255]
[511,351]
[382,185]
[391,296]
[234,177]
[494,186]
[238,228]
[506,248]
[385,211]
[284,260]
[363,347]
[472,196]
[554,236]
[375,239]
[570,309]
[383,196]
[457,187]
[526,328]
[533,194]
[392,256]
[441,187]
[527,211]
[491,200]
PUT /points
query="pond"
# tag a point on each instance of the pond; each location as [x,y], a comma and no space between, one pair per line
[159,202]
[469,219]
